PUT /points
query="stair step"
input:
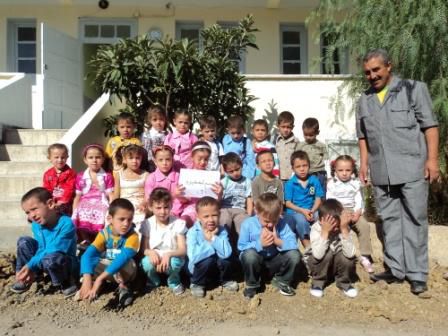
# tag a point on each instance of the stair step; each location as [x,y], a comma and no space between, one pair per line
[12,210]
[11,230]
[33,137]
[14,168]
[18,185]
[23,153]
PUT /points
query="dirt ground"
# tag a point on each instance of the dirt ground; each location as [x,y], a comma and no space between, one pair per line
[380,309]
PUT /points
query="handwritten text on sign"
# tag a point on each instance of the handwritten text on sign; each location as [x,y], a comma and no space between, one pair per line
[198,183]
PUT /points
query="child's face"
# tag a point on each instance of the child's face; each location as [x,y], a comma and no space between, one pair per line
[259,133]
[208,216]
[133,161]
[233,170]
[200,159]
[268,220]
[208,133]
[94,159]
[58,158]
[125,128]
[182,123]
[161,211]
[236,133]
[38,211]
[285,129]
[301,168]
[344,170]
[310,135]
[121,221]
[158,122]
[164,161]
[266,163]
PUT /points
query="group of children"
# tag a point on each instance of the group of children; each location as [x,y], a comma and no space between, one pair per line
[136,215]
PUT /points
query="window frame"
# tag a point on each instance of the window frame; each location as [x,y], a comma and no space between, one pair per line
[13,42]
[180,24]
[301,29]
[343,59]
[83,22]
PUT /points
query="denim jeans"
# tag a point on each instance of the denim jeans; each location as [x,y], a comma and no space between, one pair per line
[209,269]
[173,271]
[299,224]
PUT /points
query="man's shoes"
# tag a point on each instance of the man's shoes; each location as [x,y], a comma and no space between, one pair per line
[249,292]
[19,287]
[418,287]
[386,276]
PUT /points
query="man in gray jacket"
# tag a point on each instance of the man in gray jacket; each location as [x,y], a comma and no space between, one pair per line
[398,142]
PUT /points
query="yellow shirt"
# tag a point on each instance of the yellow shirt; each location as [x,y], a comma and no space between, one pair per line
[116,142]
[382,94]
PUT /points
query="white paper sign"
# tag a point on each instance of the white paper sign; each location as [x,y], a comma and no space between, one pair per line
[198,183]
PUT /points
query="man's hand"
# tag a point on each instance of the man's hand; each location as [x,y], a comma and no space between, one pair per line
[363,174]
[432,171]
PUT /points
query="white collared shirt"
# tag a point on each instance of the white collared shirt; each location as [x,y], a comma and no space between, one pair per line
[348,193]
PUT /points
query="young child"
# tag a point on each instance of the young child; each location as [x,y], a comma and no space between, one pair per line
[316,150]
[94,189]
[235,141]
[236,202]
[109,257]
[332,250]
[285,144]
[303,194]
[208,131]
[156,134]
[53,248]
[182,139]
[209,250]
[266,182]
[130,180]
[345,187]
[260,142]
[267,241]
[59,180]
[163,243]
[126,128]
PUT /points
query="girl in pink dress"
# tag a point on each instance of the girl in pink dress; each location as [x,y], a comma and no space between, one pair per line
[94,189]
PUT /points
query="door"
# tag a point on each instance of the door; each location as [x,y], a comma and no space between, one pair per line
[62,78]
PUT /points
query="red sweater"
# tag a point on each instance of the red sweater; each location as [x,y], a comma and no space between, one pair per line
[61,186]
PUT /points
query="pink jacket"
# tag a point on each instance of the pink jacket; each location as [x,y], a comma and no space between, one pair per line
[181,143]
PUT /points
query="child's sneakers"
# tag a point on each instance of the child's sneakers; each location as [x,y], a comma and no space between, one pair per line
[316,291]
[19,287]
[68,290]
[366,264]
[231,286]
[283,288]
[178,290]
[197,290]
[125,297]
[350,292]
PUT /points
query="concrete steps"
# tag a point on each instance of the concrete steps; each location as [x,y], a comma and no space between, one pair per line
[16,168]
[22,153]
[32,137]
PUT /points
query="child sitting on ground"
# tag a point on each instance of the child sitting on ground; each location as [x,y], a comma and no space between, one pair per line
[209,250]
[285,144]
[59,180]
[260,142]
[53,248]
[345,187]
[109,257]
[208,132]
[235,141]
[316,150]
[163,243]
[303,194]
[125,125]
[236,202]
[267,241]
[332,250]
[266,182]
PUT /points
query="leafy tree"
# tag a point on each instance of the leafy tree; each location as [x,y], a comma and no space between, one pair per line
[178,73]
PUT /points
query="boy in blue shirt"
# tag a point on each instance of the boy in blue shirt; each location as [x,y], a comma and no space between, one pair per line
[53,248]
[208,249]
[267,241]
[303,194]
[235,141]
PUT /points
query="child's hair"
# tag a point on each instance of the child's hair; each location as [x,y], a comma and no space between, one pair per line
[120,203]
[343,158]
[153,110]
[201,146]
[182,111]
[262,152]
[285,116]
[299,155]
[330,207]
[207,122]
[269,203]
[261,122]
[56,146]
[127,150]
[42,195]
[95,146]
[125,116]
[160,195]
[235,122]
[311,123]
[162,148]
[231,158]
[206,201]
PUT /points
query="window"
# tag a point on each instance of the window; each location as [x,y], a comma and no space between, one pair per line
[293,51]
[97,31]
[190,30]
[340,57]
[241,60]
[22,45]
